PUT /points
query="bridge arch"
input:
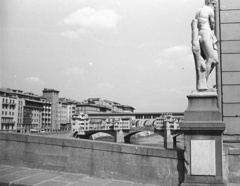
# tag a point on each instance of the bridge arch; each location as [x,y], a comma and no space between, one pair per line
[153,123]
[144,123]
[128,136]
[75,134]
[149,122]
[90,133]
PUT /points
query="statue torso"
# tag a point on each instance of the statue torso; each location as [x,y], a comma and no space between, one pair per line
[203,18]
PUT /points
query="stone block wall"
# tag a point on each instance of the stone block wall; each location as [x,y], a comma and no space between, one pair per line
[234,165]
[229,40]
[101,159]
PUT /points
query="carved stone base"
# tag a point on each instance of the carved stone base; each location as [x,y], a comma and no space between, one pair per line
[203,128]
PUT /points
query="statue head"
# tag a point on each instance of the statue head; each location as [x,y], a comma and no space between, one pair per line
[211,3]
[208,2]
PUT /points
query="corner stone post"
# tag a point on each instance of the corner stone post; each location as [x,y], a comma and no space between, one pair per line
[203,129]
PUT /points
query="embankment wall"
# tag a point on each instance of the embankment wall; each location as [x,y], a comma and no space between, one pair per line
[100,159]
[232,165]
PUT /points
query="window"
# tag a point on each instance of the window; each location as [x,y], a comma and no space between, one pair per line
[2,112]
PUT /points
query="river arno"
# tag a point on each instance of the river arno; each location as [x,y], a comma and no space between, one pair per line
[152,140]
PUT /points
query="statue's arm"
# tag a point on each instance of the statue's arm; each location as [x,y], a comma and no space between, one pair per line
[212,20]
[197,14]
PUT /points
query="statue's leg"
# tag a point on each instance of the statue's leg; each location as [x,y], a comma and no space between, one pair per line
[201,76]
[200,66]
[209,67]
[207,47]
[215,59]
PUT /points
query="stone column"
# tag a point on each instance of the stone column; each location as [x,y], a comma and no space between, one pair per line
[203,128]
[168,138]
[119,136]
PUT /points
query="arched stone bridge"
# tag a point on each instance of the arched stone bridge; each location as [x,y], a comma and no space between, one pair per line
[126,134]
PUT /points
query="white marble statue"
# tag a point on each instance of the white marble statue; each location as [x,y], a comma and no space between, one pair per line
[204,44]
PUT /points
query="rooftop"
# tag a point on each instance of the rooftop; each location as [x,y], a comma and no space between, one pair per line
[50,90]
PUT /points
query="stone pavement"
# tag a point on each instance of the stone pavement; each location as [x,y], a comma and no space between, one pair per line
[21,176]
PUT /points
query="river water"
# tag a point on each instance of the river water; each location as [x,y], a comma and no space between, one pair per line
[153,140]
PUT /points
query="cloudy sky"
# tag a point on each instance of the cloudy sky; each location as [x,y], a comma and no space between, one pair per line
[135,52]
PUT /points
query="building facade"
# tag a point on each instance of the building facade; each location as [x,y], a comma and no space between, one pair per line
[20,111]
[52,96]
[28,112]
[79,123]
[62,115]
[71,108]
[91,108]
[21,104]
[82,123]
[228,70]
[8,112]
[97,105]
[146,119]
[46,115]
[32,115]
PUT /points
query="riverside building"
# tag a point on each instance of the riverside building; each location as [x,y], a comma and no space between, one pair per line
[97,105]
[20,111]
[27,112]
[46,115]
[52,96]
[8,112]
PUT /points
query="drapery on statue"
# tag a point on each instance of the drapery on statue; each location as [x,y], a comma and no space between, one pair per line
[204,45]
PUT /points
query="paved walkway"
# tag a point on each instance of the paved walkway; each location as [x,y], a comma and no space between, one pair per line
[21,176]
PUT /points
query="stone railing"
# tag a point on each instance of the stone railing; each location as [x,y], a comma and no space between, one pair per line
[101,159]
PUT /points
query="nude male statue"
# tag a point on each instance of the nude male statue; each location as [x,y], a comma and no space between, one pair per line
[204,43]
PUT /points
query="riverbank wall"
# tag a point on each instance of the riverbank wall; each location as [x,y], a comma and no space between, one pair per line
[139,164]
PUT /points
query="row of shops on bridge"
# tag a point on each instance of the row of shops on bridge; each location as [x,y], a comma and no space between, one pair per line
[84,122]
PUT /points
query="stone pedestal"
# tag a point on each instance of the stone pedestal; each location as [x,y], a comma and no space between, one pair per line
[203,128]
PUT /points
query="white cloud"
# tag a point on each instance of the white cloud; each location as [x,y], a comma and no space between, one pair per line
[33,80]
[92,18]
[73,34]
[175,52]
[102,89]
[73,71]
[105,86]
[174,55]
[179,91]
